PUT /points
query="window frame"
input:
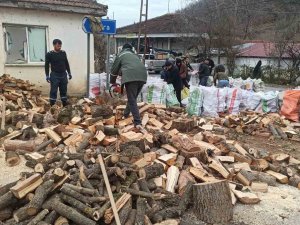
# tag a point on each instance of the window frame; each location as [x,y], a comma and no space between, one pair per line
[27,56]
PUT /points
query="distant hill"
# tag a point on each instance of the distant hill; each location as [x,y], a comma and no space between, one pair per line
[250,19]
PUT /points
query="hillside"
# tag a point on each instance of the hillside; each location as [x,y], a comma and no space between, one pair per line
[247,19]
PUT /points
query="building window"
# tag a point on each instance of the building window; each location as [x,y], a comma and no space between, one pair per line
[25,44]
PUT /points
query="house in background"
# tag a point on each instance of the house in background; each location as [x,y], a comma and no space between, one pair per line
[163,32]
[251,52]
[27,29]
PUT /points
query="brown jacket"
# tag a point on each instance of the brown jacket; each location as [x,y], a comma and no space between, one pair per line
[183,71]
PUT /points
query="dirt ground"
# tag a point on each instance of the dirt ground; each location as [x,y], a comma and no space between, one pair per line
[272,145]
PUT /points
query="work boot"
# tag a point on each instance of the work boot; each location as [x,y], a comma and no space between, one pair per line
[64,103]
[141,129]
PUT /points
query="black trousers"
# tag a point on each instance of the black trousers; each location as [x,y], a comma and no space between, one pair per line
[178,95]
[58,81]
[133,90]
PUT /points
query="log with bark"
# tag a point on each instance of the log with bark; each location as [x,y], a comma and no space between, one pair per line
[12,158]
[40,196]
[54,203]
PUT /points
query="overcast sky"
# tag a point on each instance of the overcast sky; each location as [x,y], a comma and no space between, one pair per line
[127,11]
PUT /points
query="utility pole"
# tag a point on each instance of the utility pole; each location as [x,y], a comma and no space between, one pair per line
[143,15]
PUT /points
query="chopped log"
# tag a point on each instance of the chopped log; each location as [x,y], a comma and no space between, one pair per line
[227,159]
[180,161]
[279,177]
[213,203]
[40,196]
[6,213]
[61,221]
[172,178]
[240,149]
[246,197]
[156,123]
[282,134]
[170,148]
[89,200]
[12,158]
[152,171]
[104,111]
[183,125]
[21,214]
[12,145]
[240,158]
[131,217]
[143,193]
[68,212]
[169,159]
[120,204]
[51,217]
[202,174]
[242,179]
[217,166]
[91,213]
[295,181]
[184,178]
[5,188]
[53,135]
[39,217]
[281,157]
[141,211]
[259,187]
[58,174]
[273,131]
[21,189]
[82,190]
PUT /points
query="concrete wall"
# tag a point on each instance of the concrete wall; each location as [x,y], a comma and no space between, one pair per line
[65,26]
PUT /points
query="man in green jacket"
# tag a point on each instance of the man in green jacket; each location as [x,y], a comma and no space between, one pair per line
[134,76]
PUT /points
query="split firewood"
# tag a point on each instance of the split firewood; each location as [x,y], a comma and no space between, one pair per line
[246,197]
[21,189]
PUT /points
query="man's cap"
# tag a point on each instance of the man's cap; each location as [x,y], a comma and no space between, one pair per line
[127,46]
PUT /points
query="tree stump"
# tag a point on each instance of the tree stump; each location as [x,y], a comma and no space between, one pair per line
[212,202]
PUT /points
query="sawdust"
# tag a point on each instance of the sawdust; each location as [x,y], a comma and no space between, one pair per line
[10,174]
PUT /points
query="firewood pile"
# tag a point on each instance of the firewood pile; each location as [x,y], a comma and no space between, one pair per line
[182,171]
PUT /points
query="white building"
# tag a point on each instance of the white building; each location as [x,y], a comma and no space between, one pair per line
[28,28]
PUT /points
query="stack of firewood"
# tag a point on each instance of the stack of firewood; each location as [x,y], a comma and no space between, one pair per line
[183,171]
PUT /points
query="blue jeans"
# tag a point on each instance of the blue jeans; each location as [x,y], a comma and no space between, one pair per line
[223,83]
[203,81]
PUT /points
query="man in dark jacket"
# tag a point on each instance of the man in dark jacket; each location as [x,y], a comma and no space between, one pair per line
[172,77]
[204,73]
[134,76]
[58,78]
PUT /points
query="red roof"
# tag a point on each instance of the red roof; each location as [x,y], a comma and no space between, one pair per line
[258,50]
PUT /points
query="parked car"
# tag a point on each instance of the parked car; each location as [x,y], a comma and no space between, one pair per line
[153,64]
